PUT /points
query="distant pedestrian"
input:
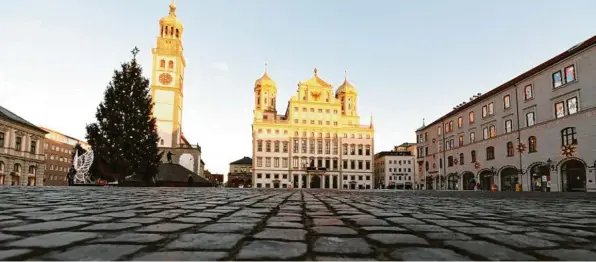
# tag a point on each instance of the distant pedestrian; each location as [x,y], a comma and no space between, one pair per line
[169,156]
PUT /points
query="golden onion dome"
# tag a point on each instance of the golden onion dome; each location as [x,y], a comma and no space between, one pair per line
[265,80]
[170,19]
[346,87]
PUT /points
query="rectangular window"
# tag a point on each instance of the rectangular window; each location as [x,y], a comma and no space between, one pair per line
[296,162]
[460,122]
[461,140]
[508,126]
[507,102]
[296,146]
[438,130]
[33,148]
[491,109]
[345,164]
[367,151]
[360,152]
[2,139]
[345,149]
[353,164]
[557,79]
[267,162]
[259,146]
[18,143]
[471,117]
[335,143]
[335,164]
[572,107]
[319,146]
[485,133]
[259,161]
[304,148]
[530,119]
[484,111]
[276,162]
[312,146]
[559,109]
[284,162]
[327,146]
[353,149]
[268,146]
[528,92]
[367,165]
[285,147]
[328,163]
[360,164]
[276,146]
[569,74]
[493,131]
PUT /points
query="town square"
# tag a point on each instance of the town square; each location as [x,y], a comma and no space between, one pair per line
[132,139]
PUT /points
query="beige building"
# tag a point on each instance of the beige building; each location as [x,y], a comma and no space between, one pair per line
[396,168]
[537,130]
[58,149]
[167,92]
[21,151]
[240,174]
[318,142]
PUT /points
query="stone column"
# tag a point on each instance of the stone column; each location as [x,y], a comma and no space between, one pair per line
[556,183]
[308,178]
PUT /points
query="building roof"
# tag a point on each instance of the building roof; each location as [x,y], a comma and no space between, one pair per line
[570,52]
[243,161]
[10,116]
[407,144]
[393,153]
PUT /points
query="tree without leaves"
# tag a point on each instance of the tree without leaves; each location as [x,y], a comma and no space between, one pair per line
[124,138]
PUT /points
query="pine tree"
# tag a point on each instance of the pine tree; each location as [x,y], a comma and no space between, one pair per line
[124,138]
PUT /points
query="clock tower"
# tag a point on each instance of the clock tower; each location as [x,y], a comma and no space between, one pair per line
[167,80]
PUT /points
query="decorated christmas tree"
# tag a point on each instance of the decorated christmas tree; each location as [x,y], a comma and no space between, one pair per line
[124,138]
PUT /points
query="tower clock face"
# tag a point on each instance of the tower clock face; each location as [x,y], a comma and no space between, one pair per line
[165,78]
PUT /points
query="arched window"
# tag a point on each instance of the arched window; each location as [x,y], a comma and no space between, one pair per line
[461,158]
[509,148]
[473,156]
[531,144]
[490,153]
[171,64]
[162,63]
[17,168]
[32,169]
[177,33]
[449,161]
[568,136]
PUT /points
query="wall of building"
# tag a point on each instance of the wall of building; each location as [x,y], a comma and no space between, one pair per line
[21,164]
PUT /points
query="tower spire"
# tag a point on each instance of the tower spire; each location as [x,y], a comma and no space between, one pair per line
[266,68]
[173,8]
[345,75]
[371,121]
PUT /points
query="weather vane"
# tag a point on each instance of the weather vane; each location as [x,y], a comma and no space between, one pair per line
[135,51]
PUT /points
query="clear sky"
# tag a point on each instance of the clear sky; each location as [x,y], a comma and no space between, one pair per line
[408,59]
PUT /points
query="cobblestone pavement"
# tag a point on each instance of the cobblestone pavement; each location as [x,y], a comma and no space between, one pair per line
[110,223]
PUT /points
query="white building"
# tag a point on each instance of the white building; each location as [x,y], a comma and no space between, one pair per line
[395,169]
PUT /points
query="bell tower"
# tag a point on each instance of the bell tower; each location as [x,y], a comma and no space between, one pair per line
[265,97]
[167,80]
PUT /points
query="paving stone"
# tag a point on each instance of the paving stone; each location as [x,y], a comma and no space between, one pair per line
[392,239]
[569,254]
[202,214]
[370,222]
[449,223]
[447,236]
[285,224]
[285,219]
[6,237]
[165,228]
[282,234]
[91,219]
[58,216]
[327,222]
[228,228]
[426,254]
[193,220]
[132,238]
[383,229]
[425,228]
[12,253]
[203,241]
[344,246]
[270,250]
[521,241]
[53,240]
[46,226]
[6,217]
[571,232]
[559,238]
[514,228]
[405,220]
[110,226]
[97,252]
[333,230]
[142,220]
[121,214]
[11,223]
[428,216]
[182,256]
[488,250]
[478,230]
[251,220]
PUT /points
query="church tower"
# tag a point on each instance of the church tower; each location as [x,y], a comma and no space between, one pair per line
[167,80]
[265,98]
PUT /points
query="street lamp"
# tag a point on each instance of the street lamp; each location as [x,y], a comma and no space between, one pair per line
[549,163]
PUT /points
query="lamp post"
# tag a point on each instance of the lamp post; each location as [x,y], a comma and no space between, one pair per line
[552,167]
